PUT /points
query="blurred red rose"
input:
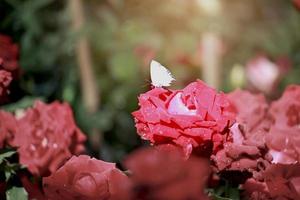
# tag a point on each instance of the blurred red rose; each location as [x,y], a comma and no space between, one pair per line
[8,126]
[297,4]
[262,74]
[84,178]
[164,174]
[46,136]
[196,117]
[283,139]
[5,80]
[9,53]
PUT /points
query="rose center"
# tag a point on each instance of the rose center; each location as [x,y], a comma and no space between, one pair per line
[177,107]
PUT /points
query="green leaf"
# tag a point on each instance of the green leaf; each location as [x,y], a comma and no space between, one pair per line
[6,154]
[16,193]
[21,104]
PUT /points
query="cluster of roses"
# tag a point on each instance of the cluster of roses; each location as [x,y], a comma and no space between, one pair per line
[249,142]
[48,141]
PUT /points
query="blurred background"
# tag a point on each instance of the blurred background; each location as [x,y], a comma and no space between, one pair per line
[95,54]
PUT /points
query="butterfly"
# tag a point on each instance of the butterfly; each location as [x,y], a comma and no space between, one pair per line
[160,76]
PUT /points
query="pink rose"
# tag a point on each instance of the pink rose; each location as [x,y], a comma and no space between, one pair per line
[163,173]
[196,117]
[283,139]
[46,136]
[84,178]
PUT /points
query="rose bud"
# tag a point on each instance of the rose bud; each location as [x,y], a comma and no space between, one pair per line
[46,137]
[195,118]
[84,178]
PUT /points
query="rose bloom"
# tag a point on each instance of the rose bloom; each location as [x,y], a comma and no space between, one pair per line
[262,74]
[163,173]
[196,117]
[84,178]
[46,136]
[7,127]
[283,139]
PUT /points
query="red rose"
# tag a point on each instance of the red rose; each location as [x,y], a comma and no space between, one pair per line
[196,117]
[7,127]
[84,178]
[46,136]
[164,174]
[283,139]
[9,53]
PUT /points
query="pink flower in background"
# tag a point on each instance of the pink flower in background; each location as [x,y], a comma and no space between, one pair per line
[84,178]
[163,173]
[284,136]
[195,118]
[46,136]
[262,74]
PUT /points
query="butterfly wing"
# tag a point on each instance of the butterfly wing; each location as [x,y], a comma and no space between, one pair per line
[160,76]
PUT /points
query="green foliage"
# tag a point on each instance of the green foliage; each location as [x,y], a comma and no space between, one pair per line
[18,193]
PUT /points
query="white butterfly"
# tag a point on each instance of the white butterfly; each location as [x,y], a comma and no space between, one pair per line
[160,76]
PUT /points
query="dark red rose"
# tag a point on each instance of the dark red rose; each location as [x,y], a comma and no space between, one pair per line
[245,149]
[196,117]
[84,178]
[32,187]
[164,174]
[46,136]
[5,80]
[9,53]
[8,126]
[283,139]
